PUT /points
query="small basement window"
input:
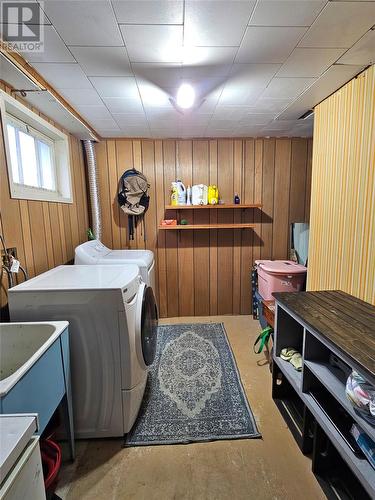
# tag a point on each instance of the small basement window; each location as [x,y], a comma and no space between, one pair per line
[37,155]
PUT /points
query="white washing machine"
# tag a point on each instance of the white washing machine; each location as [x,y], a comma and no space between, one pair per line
[94,252]
[113,326]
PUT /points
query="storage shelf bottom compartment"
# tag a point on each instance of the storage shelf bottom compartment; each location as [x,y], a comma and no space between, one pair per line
[334,476]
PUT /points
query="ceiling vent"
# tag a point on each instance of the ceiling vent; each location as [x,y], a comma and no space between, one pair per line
[306,115]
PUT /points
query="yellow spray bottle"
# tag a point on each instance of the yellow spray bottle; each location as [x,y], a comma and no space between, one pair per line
[213,195]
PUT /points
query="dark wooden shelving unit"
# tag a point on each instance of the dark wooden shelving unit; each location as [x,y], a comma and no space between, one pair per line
[330,329]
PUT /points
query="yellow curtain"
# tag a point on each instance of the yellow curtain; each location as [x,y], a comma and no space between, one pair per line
[342,220]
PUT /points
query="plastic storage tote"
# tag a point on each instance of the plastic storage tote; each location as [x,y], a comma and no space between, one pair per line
[279,276]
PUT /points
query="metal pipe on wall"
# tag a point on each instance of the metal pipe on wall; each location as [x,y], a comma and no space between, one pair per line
[92,173]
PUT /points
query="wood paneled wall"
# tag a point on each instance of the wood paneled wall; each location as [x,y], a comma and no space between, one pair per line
[342,230]
[44,233]
[208,272]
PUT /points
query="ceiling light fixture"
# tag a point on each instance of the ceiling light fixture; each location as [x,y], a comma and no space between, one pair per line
[185,96]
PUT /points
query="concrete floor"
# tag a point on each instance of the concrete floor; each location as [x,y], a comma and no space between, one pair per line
[269,468]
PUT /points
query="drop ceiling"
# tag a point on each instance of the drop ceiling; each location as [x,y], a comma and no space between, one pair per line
[256,66]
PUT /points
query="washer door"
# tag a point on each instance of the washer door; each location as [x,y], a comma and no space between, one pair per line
[149,325]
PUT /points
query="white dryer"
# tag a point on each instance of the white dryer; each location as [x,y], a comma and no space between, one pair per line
[94,252]
[113,326]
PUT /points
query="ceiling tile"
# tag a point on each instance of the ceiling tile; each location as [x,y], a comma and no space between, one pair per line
[136,131]
[206,71]
[268,44]
[196,131]
[309,62]
[153,96]
[257,119]
[249,131]
[230,113]
[208,56]
[209,101]
[110,133]
[123,105]
[84,23]
[246,82]
[287,88]
[94,112]
[153,43]
[116,86]
[205,86]
[63,76]
[220,132]
[270,105]
[130,119]
[280,125]
[161,117]
[165,129]
[195,120]
[363,52]
[216,23]
[335,77]
[105,124]
[162,133]
[163,75]
[54,49]
[340,24]
[306,131]
[286,13]
[103,61]
[149,11]
[235,95]
[264,132]
[78,97]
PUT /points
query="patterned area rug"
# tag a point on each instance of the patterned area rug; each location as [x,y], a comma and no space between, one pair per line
[194,392]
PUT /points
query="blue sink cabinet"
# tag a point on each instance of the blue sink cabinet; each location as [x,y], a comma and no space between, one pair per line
[44,387]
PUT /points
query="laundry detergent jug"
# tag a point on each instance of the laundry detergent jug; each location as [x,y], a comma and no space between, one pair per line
[199,194]
[174,195]
[213,195]
[179,192]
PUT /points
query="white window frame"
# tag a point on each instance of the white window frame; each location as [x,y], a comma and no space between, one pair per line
[14,111]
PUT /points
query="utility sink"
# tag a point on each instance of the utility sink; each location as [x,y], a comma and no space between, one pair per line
[21,345]
[35,371]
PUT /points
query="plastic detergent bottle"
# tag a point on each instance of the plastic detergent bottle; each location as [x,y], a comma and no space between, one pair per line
[181,193]
[213,195]
[174,194]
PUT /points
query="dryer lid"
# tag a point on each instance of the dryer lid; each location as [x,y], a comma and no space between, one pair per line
[142,258]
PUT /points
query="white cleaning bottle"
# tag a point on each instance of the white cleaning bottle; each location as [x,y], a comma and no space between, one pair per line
[181,192]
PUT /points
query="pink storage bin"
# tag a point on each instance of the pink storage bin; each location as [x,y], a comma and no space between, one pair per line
[279,276]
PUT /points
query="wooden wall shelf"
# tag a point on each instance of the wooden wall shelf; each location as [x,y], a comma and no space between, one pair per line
[201,207]
[208,226]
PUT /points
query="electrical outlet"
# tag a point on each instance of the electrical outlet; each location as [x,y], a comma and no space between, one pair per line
[12,251]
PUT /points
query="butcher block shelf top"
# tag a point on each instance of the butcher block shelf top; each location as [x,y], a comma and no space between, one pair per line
[343,320]
[208,226]
[195,207]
